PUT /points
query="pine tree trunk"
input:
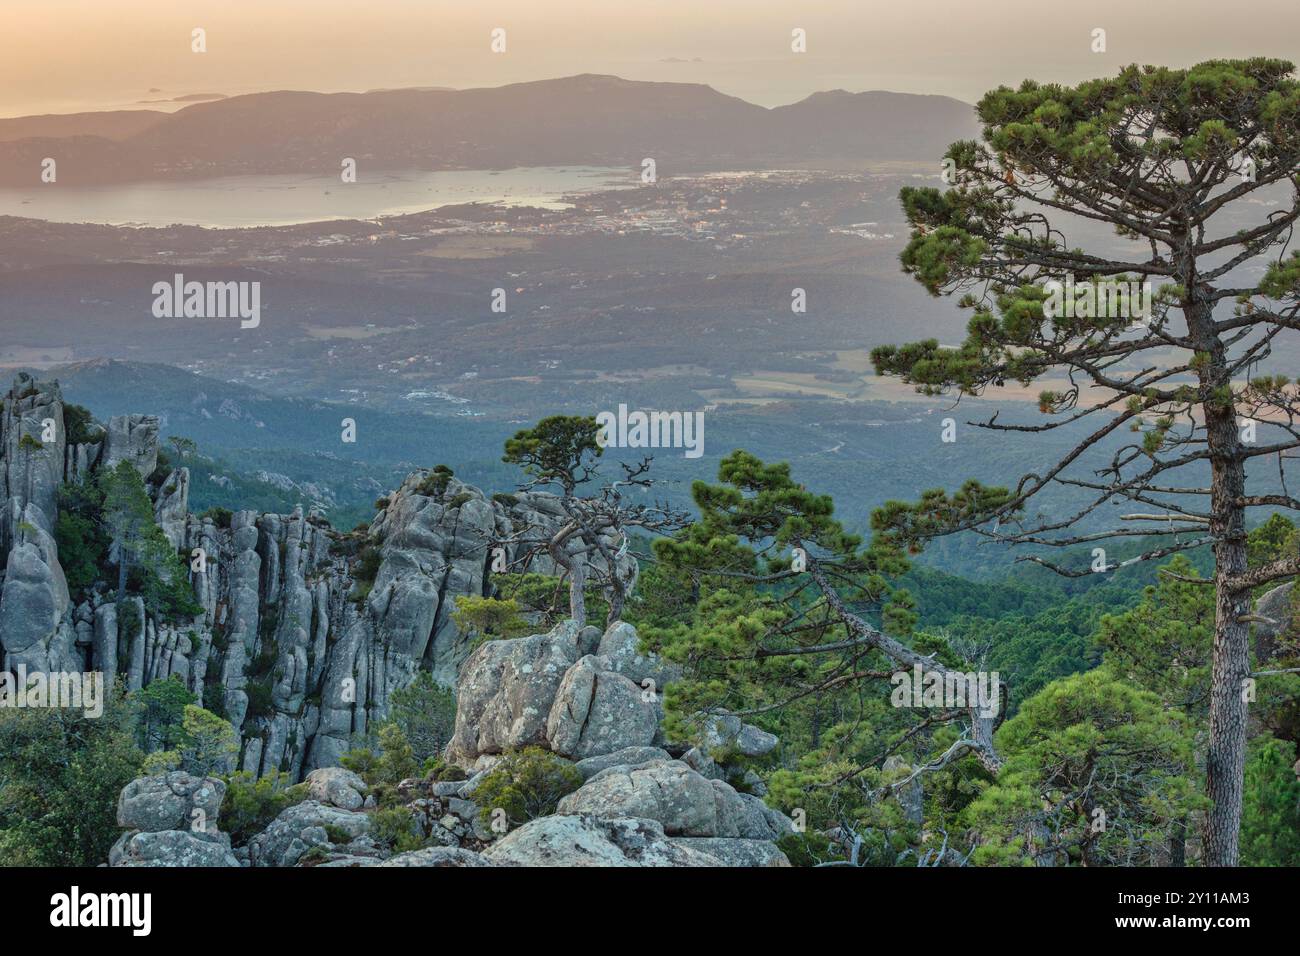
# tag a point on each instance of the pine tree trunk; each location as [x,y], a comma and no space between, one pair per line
[1226,755]
[1178,844]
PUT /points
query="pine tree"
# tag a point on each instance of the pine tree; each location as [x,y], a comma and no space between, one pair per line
[1169,159]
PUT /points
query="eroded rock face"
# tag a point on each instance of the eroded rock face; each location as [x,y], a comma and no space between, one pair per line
[300,655]
[627,757]
[132,438]
[735,852]
[35,610]
[438,856]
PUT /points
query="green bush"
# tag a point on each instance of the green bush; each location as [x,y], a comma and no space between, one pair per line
[527,784]
[221,517]
[436,482]
[437,770]
[395,828]
[259,700]
[361,761]
[337,835]
[426,714]
[251,803]
[60,776]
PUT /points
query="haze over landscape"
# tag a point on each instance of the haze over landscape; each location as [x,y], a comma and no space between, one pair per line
[318,315]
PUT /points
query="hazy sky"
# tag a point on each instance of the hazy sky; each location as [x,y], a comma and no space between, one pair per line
[68,55]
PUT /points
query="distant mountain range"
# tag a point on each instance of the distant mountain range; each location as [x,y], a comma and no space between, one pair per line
[588,119]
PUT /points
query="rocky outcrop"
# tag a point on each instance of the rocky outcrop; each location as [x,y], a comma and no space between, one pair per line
[171,821]
[301,828]
[583,841]
[172,848]
[304,633]
[171,801]
[35,620]
[507,689]
[593,841]
[680,799]
[337,787]
[636,806]
[132,438]
[545,690]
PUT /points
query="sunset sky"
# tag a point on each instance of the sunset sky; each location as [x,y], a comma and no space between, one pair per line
[69,55]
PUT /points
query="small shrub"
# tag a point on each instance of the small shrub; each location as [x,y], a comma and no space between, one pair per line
[221,517]
[360,760]
[259,700]
[439,771]
[337,835]
[527,784]
[251,803]
[436,482]
[395,828]
[314,856]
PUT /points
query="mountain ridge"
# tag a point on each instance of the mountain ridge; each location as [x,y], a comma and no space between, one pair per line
[587,118]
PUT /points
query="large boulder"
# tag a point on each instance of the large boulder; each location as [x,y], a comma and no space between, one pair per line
[732,852]
[598,711]
[506,691]
[437,856]
[627,757]
[172,848]
[168,802]
[728,732]
[620,646]
[683,801]
[547,690]
[301,827]
[591,841]
[337,787]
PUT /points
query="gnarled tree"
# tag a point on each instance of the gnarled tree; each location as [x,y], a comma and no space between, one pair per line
[1196,172]
[591,542]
